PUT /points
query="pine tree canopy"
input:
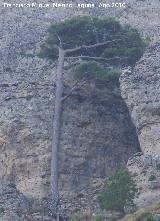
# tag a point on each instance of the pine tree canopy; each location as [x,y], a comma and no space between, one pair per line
[120,41]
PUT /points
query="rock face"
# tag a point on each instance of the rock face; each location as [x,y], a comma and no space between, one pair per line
[146,172]
[12,204]
[97,138]
[141,90]
[144,15]
[97,134]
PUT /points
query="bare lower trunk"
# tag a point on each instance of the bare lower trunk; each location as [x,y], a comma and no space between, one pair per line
[56,133]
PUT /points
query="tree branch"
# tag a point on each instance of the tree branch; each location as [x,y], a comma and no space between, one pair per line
[116,58]
[76,86]
[90,46]
[60,41]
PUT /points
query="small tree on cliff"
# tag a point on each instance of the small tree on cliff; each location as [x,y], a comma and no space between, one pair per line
[119,191]
[95,43]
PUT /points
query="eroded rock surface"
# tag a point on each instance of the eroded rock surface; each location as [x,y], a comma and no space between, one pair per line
[146,172]
[141,91]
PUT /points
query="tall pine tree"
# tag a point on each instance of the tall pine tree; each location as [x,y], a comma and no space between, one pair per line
[96,43]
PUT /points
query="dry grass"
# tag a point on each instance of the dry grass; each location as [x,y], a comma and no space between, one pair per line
[139,214]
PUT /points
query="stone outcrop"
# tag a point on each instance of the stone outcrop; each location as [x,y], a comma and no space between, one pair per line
[146,172]
[141,91]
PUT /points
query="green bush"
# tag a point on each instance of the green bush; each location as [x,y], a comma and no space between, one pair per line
[75,219]
[148,217]
[86,217]
[97,218]
[1,211]
[119,190]
[158,166]
[113,74]
[152,178]
[29,97]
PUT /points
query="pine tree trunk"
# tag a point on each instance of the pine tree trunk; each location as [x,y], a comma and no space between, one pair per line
[56,133]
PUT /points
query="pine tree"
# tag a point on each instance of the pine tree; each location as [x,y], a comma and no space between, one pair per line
[95,43]
[119,191]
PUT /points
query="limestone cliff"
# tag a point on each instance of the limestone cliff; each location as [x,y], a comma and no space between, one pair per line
[141,90]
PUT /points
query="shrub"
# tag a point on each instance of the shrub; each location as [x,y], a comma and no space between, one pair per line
[152,178]
[119,190]
[158,166]
[86,216]
[29,97]
[75,219]
[1,211]
[113,74]
[97,218]
[148,217]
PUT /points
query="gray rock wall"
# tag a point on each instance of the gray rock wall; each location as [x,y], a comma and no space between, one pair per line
[141,90]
